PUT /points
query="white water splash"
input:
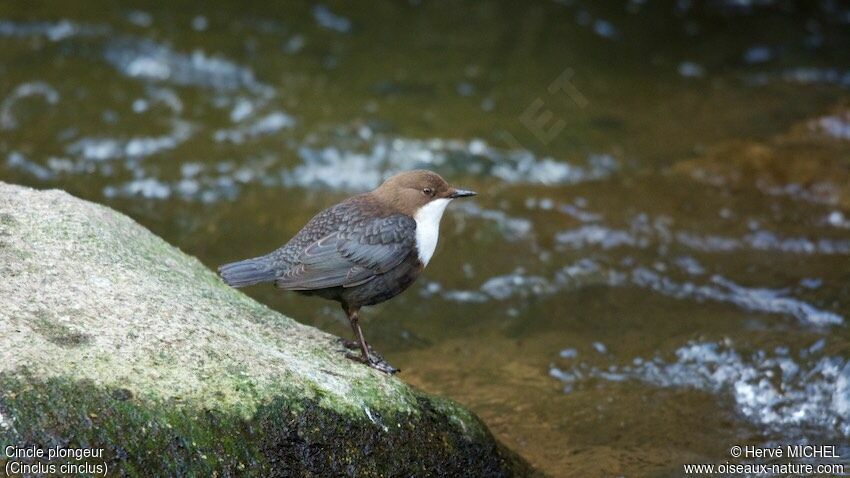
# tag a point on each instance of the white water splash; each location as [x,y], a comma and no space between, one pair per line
[773,390]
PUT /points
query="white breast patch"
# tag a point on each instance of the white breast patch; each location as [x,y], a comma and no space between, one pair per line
[428,227]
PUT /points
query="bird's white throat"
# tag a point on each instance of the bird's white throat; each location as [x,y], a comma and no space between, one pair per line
[428,227]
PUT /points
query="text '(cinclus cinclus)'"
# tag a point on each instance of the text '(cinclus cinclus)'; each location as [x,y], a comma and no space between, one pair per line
[362,251]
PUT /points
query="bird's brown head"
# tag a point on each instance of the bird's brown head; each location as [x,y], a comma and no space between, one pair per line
[409,191]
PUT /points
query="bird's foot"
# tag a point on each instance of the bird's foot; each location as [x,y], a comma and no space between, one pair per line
[376,360]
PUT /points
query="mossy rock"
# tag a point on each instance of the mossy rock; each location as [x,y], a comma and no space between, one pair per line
[112,339]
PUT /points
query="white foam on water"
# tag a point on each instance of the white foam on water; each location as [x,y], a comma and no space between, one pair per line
[836,126]
[263,126]
[689,69]
[758,54]
[167,97]
[579,213]
[327,19]
[512,228]
[326,167]
[689,265]
[53,31]
[104,148]
[588,272]
[335,169]
[599,236]
[17,160]
[149,188]
[200,23]
[140,18]
[764,241]
[773,390]
[151,61]
[605,29]
[516,284]
[804,75]
[645,232]
[723,290]
[197,181]
[243,108]
[364,162]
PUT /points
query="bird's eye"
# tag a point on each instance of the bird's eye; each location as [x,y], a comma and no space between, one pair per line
[428,191]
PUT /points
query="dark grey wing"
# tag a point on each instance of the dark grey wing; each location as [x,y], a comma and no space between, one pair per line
[354,254]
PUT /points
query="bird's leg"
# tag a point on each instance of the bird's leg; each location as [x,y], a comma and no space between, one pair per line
[354,319]
[371,359]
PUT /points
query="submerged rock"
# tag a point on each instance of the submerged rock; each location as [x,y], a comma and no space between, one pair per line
[112,339]
[809,162]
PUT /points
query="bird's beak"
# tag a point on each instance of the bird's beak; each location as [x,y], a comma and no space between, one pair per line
[461,193]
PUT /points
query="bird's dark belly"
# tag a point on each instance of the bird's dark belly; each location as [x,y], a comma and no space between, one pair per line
[381,288]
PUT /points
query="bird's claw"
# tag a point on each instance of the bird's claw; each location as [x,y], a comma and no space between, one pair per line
[375,361]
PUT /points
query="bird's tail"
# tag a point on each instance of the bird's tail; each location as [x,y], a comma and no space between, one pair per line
[248,272]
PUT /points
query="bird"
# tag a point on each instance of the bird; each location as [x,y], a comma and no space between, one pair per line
[362,251]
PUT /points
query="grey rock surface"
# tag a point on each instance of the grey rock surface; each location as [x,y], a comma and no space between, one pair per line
[110,338]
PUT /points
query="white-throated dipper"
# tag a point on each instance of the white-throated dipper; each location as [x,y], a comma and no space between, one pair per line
[362,251]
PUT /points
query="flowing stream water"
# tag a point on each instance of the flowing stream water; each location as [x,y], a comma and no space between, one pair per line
[656,267]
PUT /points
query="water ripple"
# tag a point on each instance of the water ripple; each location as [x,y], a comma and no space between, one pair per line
[24,90]
[587,272]
[365,164]
[771,389]
[53,31]
[643,234]
[102,148]
[148,60]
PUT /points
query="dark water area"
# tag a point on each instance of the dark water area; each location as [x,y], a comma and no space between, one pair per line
[655,269]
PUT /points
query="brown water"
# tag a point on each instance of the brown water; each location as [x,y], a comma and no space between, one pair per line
[655,269]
